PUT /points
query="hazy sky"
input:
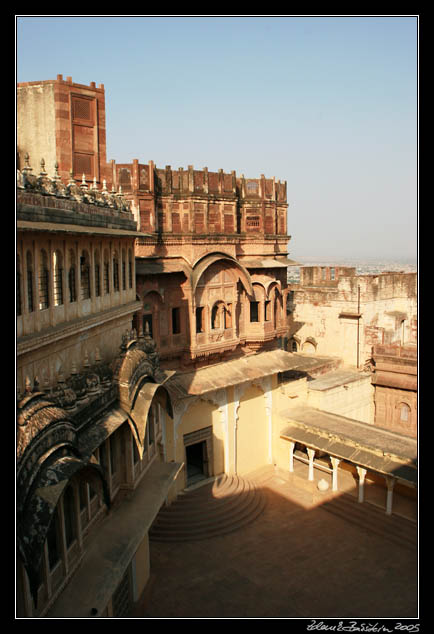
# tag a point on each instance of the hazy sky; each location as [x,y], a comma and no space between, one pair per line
[327,103]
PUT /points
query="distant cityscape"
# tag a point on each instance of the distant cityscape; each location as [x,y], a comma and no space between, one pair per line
[367,266]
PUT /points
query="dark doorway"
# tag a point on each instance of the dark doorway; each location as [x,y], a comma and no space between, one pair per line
[197,462]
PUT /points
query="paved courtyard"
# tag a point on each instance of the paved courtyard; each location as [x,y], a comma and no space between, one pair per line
[297,560]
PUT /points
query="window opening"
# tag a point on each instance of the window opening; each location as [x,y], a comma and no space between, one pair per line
[43,282]
[176,321]
[106,275]
[97,273]
[254,311]
[130,271]
[85,276]
[58,279]
[115,273]
[199,319]
[71,279]
[30,283]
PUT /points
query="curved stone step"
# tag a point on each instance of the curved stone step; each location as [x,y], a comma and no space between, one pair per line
[204,515]
[196,505]
[212,525]
[216,509]
[192,534]
[206,510]
[212,490]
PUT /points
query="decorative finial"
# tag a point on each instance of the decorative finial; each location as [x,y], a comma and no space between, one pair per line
[56,176]
[27,163]
[42,172]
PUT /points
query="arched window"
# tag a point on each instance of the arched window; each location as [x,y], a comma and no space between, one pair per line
[130,269]
[115,272]
[85,275]
[44,281]
[72,277]
[106,272]
[57,278]
[404,413]
[309,347]
[97,272]
[124,270]
[30,304]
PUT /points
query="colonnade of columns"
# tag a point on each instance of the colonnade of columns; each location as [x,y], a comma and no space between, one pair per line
[361,471]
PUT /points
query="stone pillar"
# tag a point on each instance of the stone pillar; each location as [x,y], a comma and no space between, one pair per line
[311,454]
[362,473]
[390,482]
[335,462]
[291,456]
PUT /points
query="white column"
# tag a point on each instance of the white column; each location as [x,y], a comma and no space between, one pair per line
[335,462]
[362,473]
[390,482]
[311,454]
[291,456]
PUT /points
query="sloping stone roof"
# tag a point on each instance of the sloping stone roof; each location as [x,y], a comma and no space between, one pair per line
[363,444]
[247,368]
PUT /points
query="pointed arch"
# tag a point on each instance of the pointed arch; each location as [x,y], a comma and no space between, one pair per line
[202,265]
